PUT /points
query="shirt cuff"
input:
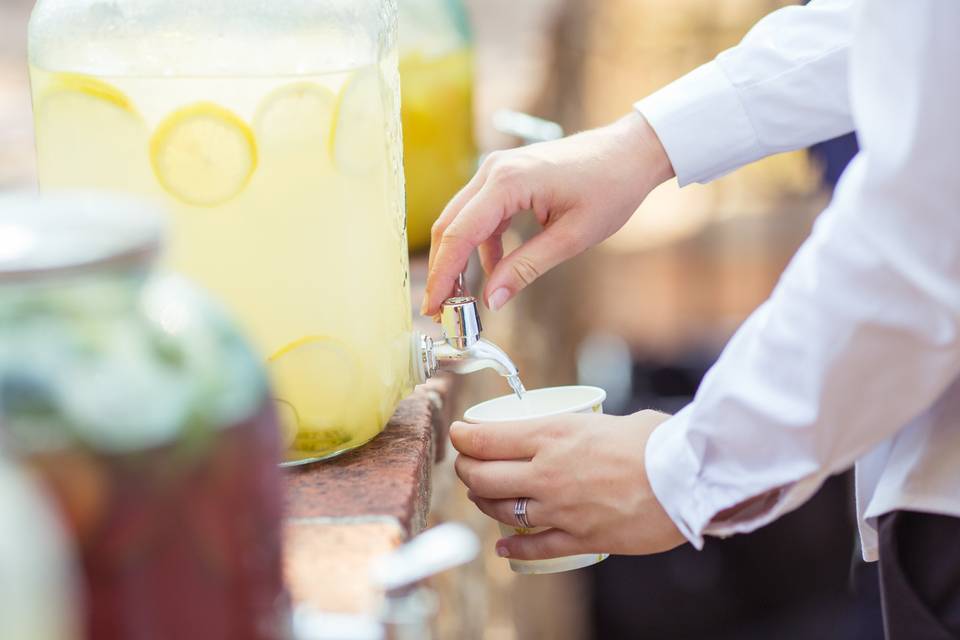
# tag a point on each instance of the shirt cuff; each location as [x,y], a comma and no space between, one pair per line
[674,472]
[702,124]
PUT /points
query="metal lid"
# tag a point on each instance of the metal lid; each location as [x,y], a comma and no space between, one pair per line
[60,234]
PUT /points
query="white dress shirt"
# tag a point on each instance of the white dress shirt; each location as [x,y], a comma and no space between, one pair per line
[856,355]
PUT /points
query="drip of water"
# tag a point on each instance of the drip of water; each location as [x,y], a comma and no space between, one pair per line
[517,386]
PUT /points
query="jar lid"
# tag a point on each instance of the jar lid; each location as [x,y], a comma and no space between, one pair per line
[59,234]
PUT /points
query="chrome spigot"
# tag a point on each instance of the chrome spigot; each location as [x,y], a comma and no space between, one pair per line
[409,608]
[462,350]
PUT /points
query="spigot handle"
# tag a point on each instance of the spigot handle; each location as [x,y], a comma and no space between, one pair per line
[460,317]
[460,321]
[528,128]
[437,550]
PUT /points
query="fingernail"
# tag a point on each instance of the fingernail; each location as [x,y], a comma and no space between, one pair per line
[502,551]
[497,299]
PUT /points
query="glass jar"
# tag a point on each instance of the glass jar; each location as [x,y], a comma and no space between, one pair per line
[437,77]
[271,130]
[140,407]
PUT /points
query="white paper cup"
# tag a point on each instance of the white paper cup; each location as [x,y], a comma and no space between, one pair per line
[541,403]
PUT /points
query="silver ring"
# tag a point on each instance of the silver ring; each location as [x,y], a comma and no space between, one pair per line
[520,513]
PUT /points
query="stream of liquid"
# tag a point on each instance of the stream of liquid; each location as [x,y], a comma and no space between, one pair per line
[517,386]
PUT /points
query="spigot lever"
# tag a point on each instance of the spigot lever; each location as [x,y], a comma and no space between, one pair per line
[408,608]
[440,549]
[460,321]
[462,349]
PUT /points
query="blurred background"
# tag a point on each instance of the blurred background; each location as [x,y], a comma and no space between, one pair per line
[643,316]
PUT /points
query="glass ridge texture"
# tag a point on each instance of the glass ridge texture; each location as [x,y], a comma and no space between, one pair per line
[271,131]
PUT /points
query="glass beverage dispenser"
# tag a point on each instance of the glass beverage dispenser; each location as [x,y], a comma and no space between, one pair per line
[437,77]
[271,130]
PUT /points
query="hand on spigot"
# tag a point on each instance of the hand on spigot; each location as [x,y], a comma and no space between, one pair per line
[581,189]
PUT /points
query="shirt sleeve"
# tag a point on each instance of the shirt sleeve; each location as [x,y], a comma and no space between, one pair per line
[862,333]
[783,87]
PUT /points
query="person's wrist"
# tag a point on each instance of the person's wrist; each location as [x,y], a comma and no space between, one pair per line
[645,147]
[655,513]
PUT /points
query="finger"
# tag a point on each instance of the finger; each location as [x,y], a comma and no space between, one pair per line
[478,220]
[496,441]
[491,250]
[450,212]
[553,543]
[530,261]
[503,511]
[457,203]
[452,209]
[497,480]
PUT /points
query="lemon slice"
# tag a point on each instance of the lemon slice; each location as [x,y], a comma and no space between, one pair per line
[321,442]
[89,87]
[319,378]
[89,135]
[204,154]
[357,144]
[289,422]
[295,117]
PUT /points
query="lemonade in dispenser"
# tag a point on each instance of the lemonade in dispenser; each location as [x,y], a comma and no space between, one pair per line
[271,131]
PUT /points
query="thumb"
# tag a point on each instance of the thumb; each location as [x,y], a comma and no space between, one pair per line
[531,260]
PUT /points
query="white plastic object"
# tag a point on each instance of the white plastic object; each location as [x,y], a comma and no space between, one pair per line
[38,590]
[437,550]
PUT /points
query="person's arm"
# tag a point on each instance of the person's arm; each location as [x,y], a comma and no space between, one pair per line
[783,87]
[862,334]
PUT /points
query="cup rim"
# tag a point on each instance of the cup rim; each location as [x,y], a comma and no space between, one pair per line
[599,397]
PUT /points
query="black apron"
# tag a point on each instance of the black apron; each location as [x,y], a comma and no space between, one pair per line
[920,576]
